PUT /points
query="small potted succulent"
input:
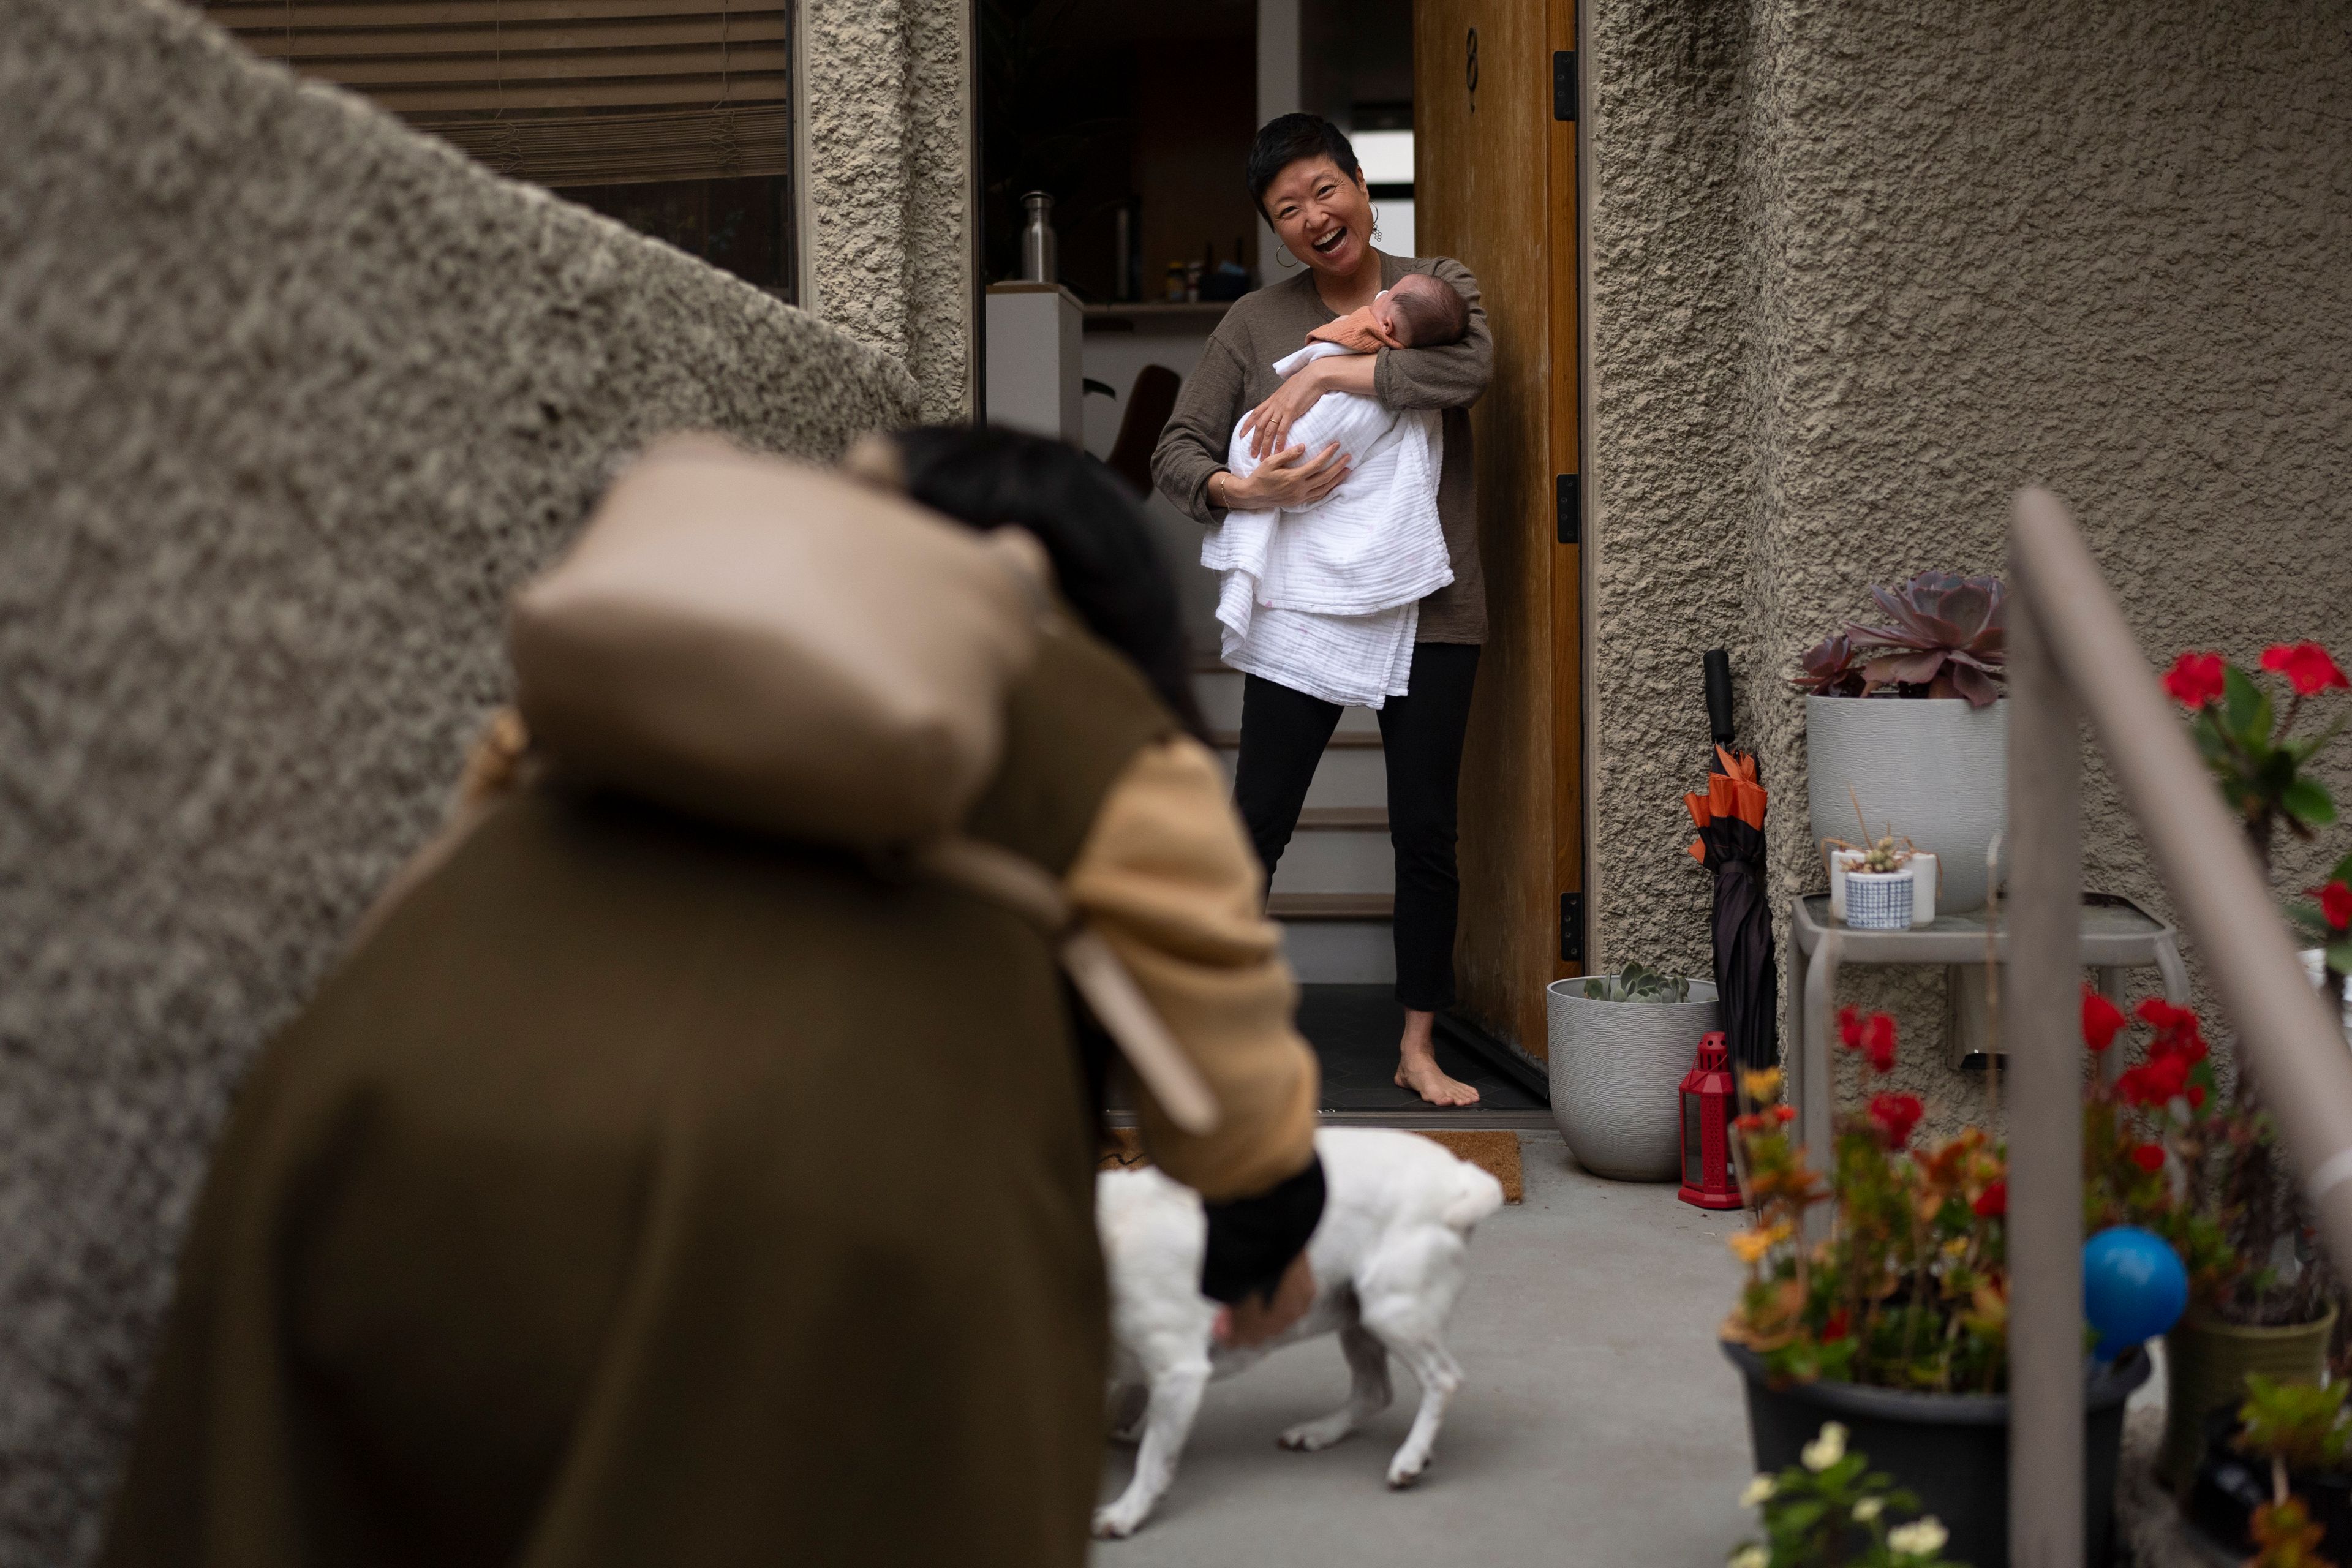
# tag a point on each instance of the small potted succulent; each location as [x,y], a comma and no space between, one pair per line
[1905,715]
[2281,1469]
[1619,1046]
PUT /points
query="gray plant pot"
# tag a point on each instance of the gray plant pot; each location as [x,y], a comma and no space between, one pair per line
[1934,767]
[1617,1070]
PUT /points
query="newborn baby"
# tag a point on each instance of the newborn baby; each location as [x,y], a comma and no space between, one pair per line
[1324,598]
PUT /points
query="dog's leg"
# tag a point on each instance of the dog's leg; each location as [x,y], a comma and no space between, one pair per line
[1124,1416]
[1167,1422]
[1407,1294]
[1368,1395]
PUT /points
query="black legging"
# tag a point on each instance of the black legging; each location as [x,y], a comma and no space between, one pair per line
[1283,736]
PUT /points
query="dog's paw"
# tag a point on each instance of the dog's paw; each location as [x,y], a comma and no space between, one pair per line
[1310,1436]
[1405,1472]
[1113,1523]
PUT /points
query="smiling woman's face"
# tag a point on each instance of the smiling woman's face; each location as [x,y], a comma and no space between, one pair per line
[1322,216]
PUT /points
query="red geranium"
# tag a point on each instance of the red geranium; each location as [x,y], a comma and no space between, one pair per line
[2336,905]
[2195,679]
[2156,1081]
[1993,1203]
[2306,666]
[2148,1157]
[2101,1020]
[1836,1327]
[1874,1037]
[1850,1027]
[1896,1115]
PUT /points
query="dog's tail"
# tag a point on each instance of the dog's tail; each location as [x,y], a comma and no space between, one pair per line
[1476,1194]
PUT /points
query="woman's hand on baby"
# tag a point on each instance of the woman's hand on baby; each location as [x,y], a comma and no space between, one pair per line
[1268,425]
[1290,480]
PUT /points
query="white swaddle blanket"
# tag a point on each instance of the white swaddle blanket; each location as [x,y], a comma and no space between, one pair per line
[1324,598]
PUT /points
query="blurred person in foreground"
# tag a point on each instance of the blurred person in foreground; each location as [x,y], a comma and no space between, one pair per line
[644,1189]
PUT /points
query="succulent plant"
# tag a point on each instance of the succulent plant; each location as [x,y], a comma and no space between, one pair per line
[1637,983]
[1947,632]
[1948,636]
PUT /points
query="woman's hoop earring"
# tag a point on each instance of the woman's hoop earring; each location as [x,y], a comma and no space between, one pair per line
[1376,220]
[1283,259]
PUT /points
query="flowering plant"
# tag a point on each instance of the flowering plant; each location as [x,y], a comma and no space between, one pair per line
[1812,1511]
[2249,746]
[2164,1149]
[1945,635]
[1911,1289]
[2326,920]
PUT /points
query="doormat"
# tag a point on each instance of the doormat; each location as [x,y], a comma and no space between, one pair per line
[1494,1151]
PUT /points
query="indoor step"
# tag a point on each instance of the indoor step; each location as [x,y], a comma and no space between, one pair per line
[1339,849]
[1350,774]
[1220,694]
[1340,939]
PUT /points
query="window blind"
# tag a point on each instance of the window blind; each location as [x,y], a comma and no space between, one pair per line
[562,92]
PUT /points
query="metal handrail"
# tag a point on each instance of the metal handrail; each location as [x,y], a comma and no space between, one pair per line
[2070,657]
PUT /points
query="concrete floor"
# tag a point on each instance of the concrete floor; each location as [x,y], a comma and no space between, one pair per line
[1598,1427]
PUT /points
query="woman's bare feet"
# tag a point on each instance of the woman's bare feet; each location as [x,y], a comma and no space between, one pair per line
[1417,1068]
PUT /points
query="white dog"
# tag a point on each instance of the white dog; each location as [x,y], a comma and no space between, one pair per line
[1388,1258]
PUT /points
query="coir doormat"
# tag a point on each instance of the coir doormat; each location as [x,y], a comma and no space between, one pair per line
[1494,1151]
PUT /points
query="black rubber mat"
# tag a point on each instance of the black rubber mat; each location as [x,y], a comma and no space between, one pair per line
[1354,1030]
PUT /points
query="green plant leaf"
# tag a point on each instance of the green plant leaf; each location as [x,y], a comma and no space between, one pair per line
[2308,801]
[2339,957]
[2245,708]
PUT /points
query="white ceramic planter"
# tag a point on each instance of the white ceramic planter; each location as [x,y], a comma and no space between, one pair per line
[1617,1071]
[1936,768]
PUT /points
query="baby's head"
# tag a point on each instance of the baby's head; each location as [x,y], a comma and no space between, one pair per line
[1421,312]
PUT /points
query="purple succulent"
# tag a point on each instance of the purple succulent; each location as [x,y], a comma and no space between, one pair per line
[1945,632]
[1830,670]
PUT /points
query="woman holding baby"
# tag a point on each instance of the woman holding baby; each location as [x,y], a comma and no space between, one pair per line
[1418,341]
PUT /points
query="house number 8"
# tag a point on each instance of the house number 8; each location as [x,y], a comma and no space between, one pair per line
[1470,69]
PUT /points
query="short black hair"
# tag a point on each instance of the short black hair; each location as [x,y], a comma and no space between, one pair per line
[1109,567]
[1284,140]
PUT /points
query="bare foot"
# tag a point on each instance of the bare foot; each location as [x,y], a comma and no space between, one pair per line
[1421,1074]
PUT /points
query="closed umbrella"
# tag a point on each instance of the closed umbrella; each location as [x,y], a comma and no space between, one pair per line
[1730,843]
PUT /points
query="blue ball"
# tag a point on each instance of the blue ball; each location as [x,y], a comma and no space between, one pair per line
[2133,1288]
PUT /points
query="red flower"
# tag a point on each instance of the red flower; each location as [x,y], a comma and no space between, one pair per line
[2101,1020]
[2148,1157]
[2196,1097]
[2307,666]
[1752,1122]
[2156,1080]
[1994,1201]
[1850,1029]
[1897,1115]
[2195,679]
[2178,1031]
[2336,904]
[1878,1041]
[1784,1114]
[1835,1328]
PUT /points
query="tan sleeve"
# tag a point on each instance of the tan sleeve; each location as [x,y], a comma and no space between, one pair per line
[1167,878]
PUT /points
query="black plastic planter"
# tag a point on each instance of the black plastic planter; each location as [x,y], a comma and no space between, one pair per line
[1952,1449]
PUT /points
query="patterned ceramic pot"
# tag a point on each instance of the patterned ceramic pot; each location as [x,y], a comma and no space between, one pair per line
[1936,768]
[1616,1077]
[1878,900]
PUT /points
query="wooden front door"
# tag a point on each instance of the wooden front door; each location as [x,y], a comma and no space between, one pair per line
[1494,187]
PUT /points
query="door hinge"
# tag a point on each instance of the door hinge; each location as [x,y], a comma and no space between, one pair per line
[1570,496]
[1563,84]
[1571,928]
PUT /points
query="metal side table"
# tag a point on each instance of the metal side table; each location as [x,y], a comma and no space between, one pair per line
[2118,934]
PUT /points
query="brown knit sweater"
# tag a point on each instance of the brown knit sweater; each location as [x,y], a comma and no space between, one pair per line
[1237,374]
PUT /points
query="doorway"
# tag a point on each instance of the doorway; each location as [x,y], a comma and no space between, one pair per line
[1452,110]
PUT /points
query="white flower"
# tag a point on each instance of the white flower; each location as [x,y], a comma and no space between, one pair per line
[1759,1490]
[1826,1449]
[1923,1538]
[1751,1557]
[1868,1509]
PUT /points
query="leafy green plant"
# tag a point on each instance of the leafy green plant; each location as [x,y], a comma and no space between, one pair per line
[1911,1289]
[2300,1429]
[2250,747]
[1637,983]
[1812,1512]
[2327,922]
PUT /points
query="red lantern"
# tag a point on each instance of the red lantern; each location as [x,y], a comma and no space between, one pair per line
[1710,1102]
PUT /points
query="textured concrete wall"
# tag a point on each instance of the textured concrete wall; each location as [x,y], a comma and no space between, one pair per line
[293,398]
[1859,269]
[888,118]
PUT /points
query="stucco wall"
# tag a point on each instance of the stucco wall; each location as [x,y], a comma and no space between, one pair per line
[293,398]
[1858,270]
[888,118]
